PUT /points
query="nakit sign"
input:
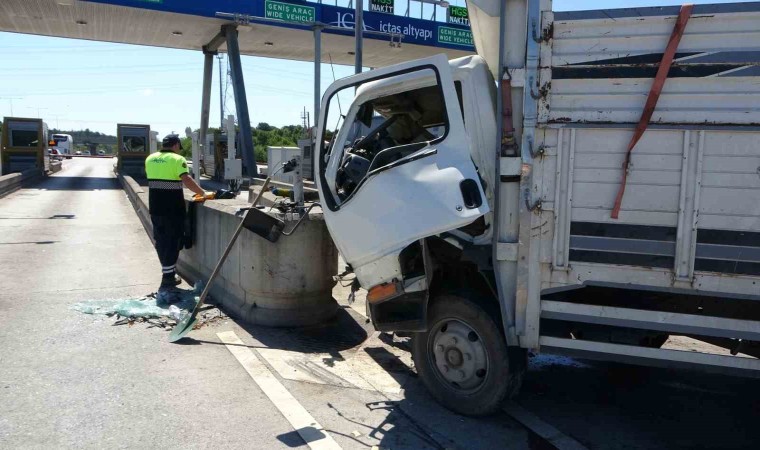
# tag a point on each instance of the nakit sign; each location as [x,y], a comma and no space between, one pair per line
[381,6]
[458,15]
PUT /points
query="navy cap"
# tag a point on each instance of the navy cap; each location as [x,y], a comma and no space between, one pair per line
[170,140]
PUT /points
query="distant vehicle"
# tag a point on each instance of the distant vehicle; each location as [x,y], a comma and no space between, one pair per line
[78,152]
[64,143]
[101,152]
[55,154]
[87,153]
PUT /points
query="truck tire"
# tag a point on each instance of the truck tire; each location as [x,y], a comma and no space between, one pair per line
[463,359]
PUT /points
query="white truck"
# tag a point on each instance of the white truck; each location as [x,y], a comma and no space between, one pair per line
[481,215]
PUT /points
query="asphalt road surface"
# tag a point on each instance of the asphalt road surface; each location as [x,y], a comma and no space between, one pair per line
[73,380]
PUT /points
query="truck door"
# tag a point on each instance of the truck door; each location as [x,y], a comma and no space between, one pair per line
[394,165]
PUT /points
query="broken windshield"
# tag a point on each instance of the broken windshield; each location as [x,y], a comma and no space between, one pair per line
[383,130]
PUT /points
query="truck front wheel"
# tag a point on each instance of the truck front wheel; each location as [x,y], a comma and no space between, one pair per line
[463,358]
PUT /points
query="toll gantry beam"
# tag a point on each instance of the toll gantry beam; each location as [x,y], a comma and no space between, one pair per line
[229,35]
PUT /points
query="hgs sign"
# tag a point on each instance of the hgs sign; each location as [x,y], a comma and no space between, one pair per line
[381,6]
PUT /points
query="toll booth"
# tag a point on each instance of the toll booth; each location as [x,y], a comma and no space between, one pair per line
[214,155]
[134,147]
[307,158]
[24,145]
[215,144]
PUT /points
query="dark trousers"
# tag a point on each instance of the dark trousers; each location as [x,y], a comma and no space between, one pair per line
[168,232]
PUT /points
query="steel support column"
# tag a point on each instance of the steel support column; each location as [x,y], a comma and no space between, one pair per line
[317,72]
[216,42]
[241,102]
[358,35]
[208,66]
[221,95]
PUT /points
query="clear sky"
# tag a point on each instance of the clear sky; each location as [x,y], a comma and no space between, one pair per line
[80,84]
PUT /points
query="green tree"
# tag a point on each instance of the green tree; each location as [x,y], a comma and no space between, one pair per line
[265,135]
[187,147]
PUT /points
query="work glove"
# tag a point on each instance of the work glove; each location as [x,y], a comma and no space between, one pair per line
[197,198]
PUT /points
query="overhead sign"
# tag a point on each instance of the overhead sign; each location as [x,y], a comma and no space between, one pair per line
[288,12]
[295,13]
[413,31]
[448,35]
[381,6]
[458,15]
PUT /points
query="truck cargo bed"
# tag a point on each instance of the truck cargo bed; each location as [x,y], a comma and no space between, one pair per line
[689,226]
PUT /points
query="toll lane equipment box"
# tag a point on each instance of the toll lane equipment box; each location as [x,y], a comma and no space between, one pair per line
[24,145]
[134,147]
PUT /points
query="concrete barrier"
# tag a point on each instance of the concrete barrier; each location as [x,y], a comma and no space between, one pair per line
[288,283]
[14,181]
[138,196]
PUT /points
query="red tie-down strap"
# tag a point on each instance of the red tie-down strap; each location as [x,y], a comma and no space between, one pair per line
[654,95]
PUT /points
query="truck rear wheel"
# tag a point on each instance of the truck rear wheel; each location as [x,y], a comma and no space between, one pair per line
[463,358]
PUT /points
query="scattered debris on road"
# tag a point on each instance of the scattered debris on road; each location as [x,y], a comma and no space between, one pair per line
[163,309]
[152,306]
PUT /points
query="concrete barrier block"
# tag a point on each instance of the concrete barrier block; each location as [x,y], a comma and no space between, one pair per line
[213,238]
[233,299]
[14,181]
[200,232]
[10,180]
[231,268]
[255,266]
[314,312]
[288,283]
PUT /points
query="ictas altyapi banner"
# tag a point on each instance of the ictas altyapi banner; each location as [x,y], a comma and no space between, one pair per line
[414,31]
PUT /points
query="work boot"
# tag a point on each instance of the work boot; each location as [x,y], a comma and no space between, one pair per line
[169,281]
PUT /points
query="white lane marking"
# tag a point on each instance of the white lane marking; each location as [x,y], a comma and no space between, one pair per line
[289,365]
[310,430]
[354,369]
[547,432]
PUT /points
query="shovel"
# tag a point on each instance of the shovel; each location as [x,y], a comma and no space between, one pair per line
[270,233]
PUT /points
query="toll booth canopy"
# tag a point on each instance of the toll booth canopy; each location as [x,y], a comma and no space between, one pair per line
[134,147]
[24,145]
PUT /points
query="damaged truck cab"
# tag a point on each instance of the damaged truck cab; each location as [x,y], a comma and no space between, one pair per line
[406,180]
[400,170]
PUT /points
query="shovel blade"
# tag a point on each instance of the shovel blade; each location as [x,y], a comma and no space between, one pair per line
[183,328]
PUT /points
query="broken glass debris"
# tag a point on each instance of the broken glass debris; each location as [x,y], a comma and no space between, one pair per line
[168,303]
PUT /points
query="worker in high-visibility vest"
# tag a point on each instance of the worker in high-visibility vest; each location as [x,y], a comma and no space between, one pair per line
[167,172]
